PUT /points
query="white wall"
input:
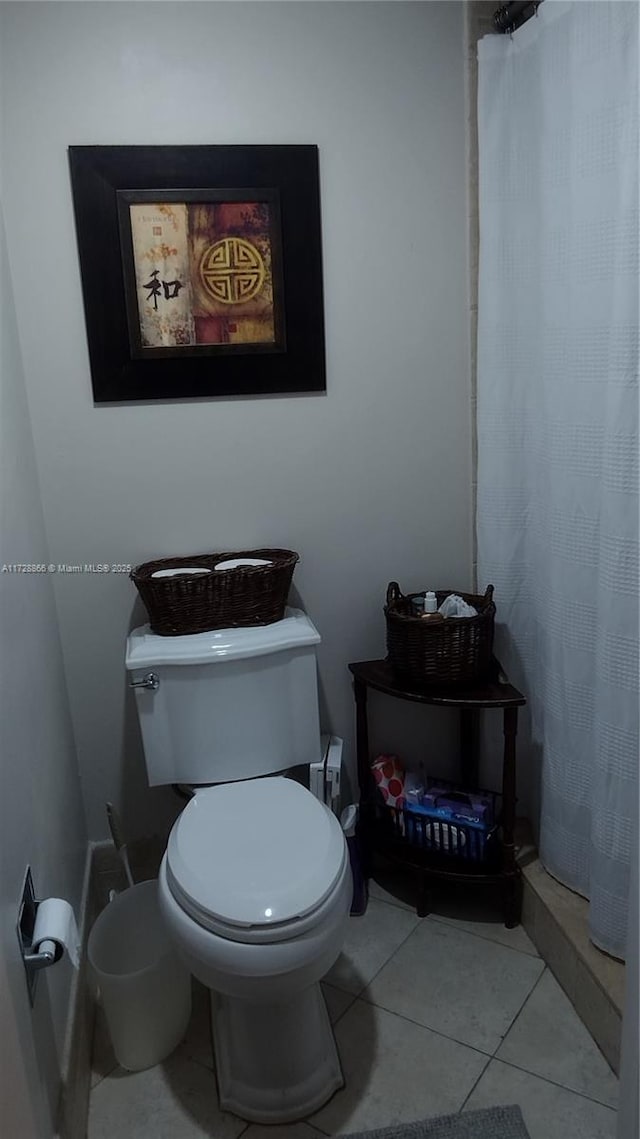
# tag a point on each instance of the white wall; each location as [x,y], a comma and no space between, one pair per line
[369,482]
[41,811]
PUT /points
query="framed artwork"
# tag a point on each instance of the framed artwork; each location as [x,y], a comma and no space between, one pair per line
[201,270]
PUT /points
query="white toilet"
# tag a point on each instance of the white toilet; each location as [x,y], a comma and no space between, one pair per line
[255,884]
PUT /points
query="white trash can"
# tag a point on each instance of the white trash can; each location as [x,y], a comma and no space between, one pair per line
[145,988]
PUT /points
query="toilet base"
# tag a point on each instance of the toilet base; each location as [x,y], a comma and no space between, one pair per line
[278,1062]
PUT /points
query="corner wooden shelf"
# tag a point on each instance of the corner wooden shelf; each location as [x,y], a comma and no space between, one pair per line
[492,692]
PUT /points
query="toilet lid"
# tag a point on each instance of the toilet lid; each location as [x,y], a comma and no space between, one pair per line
[254,854]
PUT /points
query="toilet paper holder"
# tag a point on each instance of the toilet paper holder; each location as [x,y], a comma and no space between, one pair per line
[34,962]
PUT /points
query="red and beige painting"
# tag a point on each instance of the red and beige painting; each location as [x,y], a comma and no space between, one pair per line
[203,273]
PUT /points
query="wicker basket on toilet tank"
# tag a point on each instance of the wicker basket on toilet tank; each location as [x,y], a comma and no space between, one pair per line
[452,651]
[190,595]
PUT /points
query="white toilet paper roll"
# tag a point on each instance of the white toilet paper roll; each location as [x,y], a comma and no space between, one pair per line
[55,922]
[233,563]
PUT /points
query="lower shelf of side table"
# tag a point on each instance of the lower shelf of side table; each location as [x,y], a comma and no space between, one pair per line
[432,866]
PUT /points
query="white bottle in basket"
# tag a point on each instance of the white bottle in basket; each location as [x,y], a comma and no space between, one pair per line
[431,608]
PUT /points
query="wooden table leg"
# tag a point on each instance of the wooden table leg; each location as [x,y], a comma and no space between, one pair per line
[509,866]
[423,897]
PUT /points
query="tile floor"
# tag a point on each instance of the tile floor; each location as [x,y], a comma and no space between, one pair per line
[433,1015]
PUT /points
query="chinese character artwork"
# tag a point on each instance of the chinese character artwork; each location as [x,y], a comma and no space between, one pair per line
[204,273]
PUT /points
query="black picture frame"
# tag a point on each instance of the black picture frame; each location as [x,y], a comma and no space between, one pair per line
[107,180]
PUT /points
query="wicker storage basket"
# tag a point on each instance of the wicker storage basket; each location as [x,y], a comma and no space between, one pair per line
[215,599]
[452,651]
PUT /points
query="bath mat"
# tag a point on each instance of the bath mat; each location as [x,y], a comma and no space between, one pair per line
[490,1123]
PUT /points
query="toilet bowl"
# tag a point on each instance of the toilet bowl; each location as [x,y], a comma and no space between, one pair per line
[255,888]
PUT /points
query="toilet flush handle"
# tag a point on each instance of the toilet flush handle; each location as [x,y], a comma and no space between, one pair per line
[149,680]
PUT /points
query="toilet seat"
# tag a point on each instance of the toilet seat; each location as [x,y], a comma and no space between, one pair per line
[256,861]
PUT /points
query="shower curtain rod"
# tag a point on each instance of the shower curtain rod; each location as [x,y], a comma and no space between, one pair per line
[510,16]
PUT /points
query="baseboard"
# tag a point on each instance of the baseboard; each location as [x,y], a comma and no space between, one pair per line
[556,920]
[74,1094]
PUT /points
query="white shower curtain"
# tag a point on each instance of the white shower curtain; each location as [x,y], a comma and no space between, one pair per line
[557,513]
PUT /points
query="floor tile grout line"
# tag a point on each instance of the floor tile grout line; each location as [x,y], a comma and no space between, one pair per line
[315,1127]
[483,936]
[468,1096]
[116,1068]
[537,1076]
[392,905]
[545,969]
[548,969]
[201,1064]
[345,1010]
[385,963]
[104,1076]
[116,1065]
[393,952]
[585,1025]
[396,904]
[554,1083]
[428,1028]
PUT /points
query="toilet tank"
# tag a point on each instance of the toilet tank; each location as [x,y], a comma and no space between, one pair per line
[230,703]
